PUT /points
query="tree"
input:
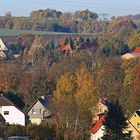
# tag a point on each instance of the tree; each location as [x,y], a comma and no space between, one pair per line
[134,40]
[115,123]
[112,46]
[75,94]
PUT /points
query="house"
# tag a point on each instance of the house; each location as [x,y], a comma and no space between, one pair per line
[134,124]
[3,50]
[67,47]
[39,111]
[2,123]
[102,107]
[97,130]
[2,46]
[128,56]
[10,112]
[134,54]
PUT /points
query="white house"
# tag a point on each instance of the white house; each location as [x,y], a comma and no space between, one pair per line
[10,112]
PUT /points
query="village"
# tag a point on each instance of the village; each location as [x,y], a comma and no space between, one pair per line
[69,73]
[40,110]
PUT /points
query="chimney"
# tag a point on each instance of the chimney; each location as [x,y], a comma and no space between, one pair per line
[43,97]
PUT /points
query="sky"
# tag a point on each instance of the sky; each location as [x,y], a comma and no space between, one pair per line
[111,7]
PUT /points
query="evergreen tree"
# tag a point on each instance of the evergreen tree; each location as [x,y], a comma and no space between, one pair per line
[10,55]
[115,123]
[71,42]
[66,41]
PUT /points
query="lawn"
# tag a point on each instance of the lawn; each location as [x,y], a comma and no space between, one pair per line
[14,32]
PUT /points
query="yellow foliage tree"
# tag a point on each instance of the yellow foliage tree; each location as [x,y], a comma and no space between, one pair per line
[76,98]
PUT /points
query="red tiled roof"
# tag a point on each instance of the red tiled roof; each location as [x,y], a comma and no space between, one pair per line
[137,50]
[97,126]
[67,47]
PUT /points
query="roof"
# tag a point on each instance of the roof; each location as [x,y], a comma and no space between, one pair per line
[67,47]
[98,125]
[2,118]
[128,56]
[137,50]
[2,46]
[4,101]
[138,113]
[43,101]
[133,126]
[105,102]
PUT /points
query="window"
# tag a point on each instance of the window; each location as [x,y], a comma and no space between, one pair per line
[40,111]
[138,125]
[6,112]
[33,111]
[135,115]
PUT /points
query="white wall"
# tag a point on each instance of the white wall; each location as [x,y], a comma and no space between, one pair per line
[98,134]
[15,115]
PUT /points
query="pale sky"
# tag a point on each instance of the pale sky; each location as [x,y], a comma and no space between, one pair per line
[112,7]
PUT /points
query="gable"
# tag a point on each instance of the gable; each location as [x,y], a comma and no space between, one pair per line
[136,115]
[2,46]
[5,102]
[37,105]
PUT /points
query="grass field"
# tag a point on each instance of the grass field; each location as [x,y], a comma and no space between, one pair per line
[14,32]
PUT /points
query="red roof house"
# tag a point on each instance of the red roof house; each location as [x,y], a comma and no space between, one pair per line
[98,125]
[137,50]
[67,47]
[97,130]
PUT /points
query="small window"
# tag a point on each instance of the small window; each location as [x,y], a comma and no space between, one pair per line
[33,111]
[135,115]
[138,125]
[6,112]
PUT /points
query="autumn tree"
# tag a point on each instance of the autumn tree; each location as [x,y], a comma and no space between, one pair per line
[134,40]
[75,94]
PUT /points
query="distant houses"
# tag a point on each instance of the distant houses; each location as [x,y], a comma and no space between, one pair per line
[39,111]
[134,54]
[10,113]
